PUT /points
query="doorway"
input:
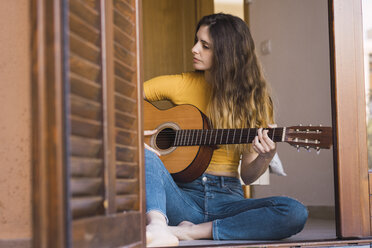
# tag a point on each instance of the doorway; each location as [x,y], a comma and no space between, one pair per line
[292,42]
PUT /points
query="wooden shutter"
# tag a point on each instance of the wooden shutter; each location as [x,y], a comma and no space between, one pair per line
[97,179]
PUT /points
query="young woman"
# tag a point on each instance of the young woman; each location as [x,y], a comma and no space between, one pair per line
[228,86]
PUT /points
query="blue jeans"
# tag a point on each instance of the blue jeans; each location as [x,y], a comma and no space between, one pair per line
[221,201]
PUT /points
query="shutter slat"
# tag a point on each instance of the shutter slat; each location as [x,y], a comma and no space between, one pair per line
[123,23]
[125,104]
[124,121]
[127,202]
[85,128]
[126,170]
[86,206]
[125,40]
[85,167]
[90,16]
[85,68]
[125,56]
[126,138]
[93,4]
[86,32]
[123,71]
[85,88]
[85,108]
[87,186]
[83,147]
[124,87]
[79,48]
[126,186]
[126,154]
[124,8]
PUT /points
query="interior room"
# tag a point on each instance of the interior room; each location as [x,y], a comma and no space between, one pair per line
[292,43]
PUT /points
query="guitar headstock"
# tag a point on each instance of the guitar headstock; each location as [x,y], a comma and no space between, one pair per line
[317,137]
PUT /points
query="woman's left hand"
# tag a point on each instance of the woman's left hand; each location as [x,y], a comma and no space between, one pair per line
[147,133]
[263,145]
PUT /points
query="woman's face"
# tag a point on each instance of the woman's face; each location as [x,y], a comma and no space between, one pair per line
[202,50]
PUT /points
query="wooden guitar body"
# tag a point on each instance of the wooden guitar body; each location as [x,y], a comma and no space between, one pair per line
[185,163]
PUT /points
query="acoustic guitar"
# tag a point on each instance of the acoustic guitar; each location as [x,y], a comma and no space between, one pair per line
[186,142]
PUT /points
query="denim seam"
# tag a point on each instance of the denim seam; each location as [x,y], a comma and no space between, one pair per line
[215,230]
[183,198]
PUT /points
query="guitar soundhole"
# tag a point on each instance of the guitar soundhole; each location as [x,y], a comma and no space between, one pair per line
[165,138]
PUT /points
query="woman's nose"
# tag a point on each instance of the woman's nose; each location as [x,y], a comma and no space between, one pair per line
[194,49]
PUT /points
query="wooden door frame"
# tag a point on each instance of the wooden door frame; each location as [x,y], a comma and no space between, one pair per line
[49,142]
[349,119]
[348,105]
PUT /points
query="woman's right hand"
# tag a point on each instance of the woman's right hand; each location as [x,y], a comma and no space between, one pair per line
[147,133]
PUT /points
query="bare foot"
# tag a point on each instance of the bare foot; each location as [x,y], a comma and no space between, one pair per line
[158,234]
[184,230]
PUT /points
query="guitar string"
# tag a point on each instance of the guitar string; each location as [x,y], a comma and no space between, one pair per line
[190,133]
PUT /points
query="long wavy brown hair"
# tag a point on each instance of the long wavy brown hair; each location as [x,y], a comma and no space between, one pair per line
[240,97]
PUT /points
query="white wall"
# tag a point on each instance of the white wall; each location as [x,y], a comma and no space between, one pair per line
[298,70]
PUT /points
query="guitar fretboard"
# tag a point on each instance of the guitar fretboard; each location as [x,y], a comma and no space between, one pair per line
[208,137]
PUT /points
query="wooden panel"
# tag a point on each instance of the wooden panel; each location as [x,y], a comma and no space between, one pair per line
[168,30]
[85,69]
[86,186]
[85,76]
[50,208]
[85,88]
[127,203]
[86,32]
[120,230]
[85,167]
[79,47]
[125,121]
[123,39]
[86,207]
[87,143]
[126,170]
[370,182]
[86,128]
[124,87]
[204,7]
[351,168]
[85,12]
[127,186]
[126,137]
[83,147]
[125,104]
[84,108]
[94,4]
[124,71]
[123,23]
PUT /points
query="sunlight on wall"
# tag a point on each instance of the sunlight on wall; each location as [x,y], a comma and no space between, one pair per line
[234,7]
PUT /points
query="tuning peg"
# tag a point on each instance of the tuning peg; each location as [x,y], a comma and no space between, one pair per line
[298,148]
[308,148]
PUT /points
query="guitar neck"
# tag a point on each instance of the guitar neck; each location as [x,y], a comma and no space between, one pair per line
[210,137]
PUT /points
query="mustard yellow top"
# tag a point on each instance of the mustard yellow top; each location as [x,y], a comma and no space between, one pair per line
[191,88]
